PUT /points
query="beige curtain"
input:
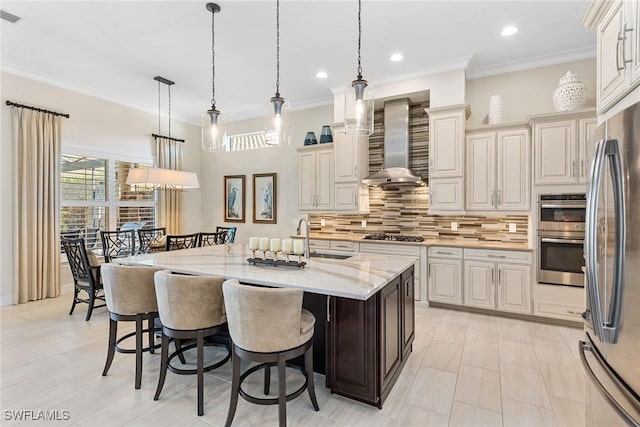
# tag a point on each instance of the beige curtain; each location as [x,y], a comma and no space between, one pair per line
[169,156]
[36,147]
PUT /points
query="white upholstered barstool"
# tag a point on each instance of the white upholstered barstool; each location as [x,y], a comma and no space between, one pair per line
[269,326]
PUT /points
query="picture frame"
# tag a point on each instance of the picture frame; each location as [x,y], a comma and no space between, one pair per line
[234,198]
[265,198]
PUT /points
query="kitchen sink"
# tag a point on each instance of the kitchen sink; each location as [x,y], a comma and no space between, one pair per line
[332,256]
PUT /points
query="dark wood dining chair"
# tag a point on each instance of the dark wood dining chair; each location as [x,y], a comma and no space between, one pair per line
[85,269]
[117,244]
[174,242]
[151,240]
[231,233]
[212,238]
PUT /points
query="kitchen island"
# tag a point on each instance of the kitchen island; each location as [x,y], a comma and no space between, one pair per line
[364,309]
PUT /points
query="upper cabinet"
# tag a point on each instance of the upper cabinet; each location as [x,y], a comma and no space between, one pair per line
[351,163]
[315,177]
[446,158]
[618,48]
[563,146]
[497,168]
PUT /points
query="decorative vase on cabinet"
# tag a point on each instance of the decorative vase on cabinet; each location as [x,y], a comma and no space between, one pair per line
[325,135]
[570,94]
[310,138]
[495,109]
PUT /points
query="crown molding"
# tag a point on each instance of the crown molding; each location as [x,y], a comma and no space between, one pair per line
[532,62]
[595,12]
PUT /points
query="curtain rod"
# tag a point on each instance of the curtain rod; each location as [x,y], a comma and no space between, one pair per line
[155,135]
[15,104]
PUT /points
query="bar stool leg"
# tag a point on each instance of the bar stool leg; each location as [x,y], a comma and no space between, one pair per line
[235,385]
[308,367]
[164,361]
[138,351]
[282,391]
[178,345]
[150,326]
[113,330]
[267,379]
[200,368]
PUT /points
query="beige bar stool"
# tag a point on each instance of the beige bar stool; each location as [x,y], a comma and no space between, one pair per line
[190,307]
[270,326]
[131,297]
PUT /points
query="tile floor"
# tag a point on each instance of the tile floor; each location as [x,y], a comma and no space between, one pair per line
[466,370]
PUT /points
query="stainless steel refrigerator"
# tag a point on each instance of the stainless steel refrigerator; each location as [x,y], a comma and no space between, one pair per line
[610,352]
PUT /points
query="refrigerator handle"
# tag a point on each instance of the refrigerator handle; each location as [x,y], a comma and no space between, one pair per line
[583,347]
[591,240]
[612,324]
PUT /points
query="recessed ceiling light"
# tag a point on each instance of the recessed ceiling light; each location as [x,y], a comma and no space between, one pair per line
[396,57]
[509,30]
[321,75]
[10,17]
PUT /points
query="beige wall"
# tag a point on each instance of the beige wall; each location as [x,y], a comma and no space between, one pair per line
[95,125]
[281,160]
[526,92]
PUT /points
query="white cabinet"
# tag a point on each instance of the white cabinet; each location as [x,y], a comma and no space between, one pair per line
[408,250]
[618,49]
[563,146]
[315,178]
[444,275]
[446,157]
[497,172]
[498,280]
[559,302]
[351,166]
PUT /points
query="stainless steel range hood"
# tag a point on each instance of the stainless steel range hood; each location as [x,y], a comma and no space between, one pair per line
[396,147]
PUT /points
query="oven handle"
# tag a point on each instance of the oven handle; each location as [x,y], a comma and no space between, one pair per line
[568,241]
[561,206]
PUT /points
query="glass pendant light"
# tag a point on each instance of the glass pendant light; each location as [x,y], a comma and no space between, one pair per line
[213,128]
[358,97]
[276,122]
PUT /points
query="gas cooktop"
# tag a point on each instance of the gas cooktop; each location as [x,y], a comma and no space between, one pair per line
[394,237]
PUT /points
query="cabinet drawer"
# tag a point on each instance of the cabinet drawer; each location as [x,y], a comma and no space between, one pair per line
[319,244]
[442,251]
[390,248]
[341,245]
[558,311]
[502,256]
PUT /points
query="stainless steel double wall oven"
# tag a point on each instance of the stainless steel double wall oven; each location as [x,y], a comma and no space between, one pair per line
[561,220]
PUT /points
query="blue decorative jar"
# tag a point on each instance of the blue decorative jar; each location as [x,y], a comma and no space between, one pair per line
[325,135]
[310,138]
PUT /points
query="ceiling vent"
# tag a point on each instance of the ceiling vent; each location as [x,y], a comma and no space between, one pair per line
[9,16]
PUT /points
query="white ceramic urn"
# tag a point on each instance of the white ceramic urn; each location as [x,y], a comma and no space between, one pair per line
[570,94]
[495,109]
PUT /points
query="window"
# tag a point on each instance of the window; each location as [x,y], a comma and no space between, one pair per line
[94,196]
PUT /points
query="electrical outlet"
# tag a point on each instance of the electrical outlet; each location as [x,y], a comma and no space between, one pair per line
[454,226]
[512,227]
[323,222]
[364,223]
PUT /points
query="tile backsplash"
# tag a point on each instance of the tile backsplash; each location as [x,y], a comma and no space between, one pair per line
[404,210]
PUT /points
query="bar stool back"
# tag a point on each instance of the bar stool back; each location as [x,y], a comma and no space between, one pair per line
[268,325]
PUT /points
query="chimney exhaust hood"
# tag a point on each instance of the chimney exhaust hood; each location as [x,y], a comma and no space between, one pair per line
[396,147]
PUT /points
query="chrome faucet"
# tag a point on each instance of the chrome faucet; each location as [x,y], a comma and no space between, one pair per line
[307,250]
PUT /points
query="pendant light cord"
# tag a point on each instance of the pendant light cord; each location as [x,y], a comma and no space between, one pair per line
[277,48]
[169,88]
[359,39]
[213,60]
[159,130]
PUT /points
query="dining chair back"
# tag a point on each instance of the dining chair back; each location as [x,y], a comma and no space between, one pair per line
[150,240]
[212,238]
[231,233]
[174,242]
[117,244]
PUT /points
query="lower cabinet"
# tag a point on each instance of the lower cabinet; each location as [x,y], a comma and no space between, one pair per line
[369,341]
[444,275]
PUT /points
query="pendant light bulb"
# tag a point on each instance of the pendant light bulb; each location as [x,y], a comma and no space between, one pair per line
[359,97]
[213,128]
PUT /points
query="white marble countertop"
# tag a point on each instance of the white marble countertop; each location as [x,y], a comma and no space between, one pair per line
[358,277]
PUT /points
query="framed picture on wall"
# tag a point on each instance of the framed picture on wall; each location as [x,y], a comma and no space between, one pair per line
[234,190]
[264,198]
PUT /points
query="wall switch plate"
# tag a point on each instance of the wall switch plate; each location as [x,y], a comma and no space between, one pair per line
[323,222]
[364,223]
[512,227]
[454,226]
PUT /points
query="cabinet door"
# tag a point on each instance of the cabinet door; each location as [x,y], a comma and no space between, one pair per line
[346,197]
[345,158]
[633,19]
[444,280]
[324,180]
[480,172]
[586,146]
[610,69]
[479,280]
[446,140]
[306,180]
[513,171]
[514,288]
[446,195]
[391,340]
[554,152]
[408,312]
